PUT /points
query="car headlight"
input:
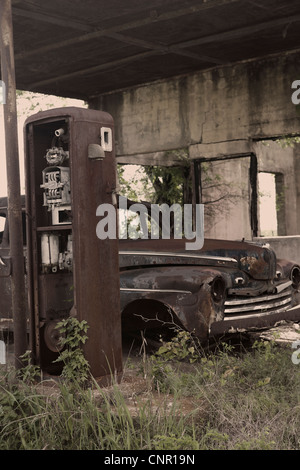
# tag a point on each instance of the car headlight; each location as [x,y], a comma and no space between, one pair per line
[218,287]
[295,277]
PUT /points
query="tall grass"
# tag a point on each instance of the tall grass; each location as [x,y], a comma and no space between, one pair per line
[224,400]
[251,400]
[65,420]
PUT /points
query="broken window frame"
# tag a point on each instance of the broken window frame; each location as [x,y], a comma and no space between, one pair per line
[253,178]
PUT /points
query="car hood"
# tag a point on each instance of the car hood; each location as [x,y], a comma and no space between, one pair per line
[254,259]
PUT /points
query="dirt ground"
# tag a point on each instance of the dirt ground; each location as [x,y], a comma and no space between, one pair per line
[136,387]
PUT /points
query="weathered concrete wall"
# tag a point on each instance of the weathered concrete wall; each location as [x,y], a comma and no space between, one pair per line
[220,111]
[229,218]
[297,179]
[245,101]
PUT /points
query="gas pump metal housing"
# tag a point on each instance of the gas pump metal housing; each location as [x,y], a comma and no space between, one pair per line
[92,182]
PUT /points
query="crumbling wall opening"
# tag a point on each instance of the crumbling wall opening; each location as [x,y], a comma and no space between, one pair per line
[272,214]
[278,171]
[227,186]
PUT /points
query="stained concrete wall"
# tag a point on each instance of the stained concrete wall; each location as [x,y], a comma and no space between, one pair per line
[220,111]
[229,218]
[284,247]
[245,101]
[297,179]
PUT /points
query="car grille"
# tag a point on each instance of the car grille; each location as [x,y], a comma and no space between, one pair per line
[240,307]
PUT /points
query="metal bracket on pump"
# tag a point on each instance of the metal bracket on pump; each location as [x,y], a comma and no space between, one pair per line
[97,151]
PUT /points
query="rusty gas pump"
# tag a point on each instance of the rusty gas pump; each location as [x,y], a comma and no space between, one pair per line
[70,170]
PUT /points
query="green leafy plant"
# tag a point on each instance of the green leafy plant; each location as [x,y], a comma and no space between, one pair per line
[29,373]
[180,348]
[267,349]
[73,335]
[173,442]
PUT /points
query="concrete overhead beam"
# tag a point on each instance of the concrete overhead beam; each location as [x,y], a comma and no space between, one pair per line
[219,149]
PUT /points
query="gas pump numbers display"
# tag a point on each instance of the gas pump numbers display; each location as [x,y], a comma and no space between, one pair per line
[53,185]
[56,185]
[57,197]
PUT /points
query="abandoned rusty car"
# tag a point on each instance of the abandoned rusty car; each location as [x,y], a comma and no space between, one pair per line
[225,285]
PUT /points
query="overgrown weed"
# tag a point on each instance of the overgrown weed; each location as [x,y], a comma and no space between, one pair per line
[222,400]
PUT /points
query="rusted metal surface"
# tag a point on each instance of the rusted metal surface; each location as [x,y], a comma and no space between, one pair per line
[6,312]
[259,322]
[88,284]
[184,290]
[255,289]
[253,259]
[18,294]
